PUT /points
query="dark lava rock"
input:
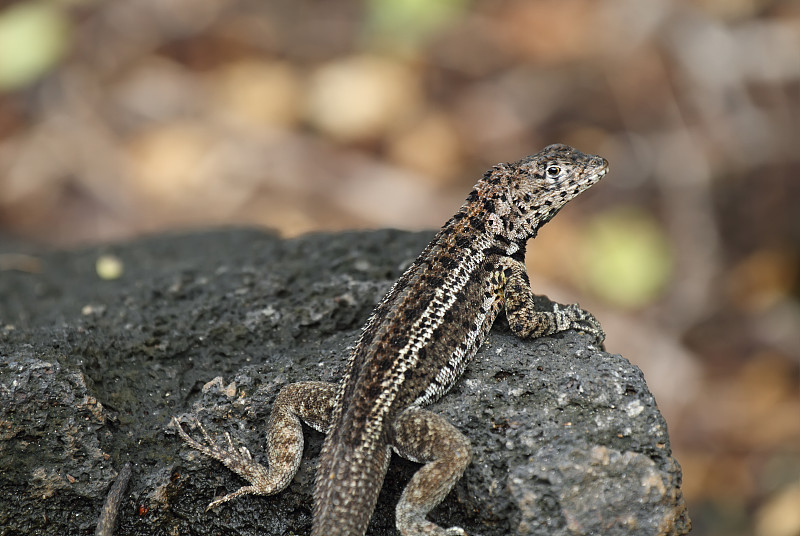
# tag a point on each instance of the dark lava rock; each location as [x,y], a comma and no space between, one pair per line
[567,438]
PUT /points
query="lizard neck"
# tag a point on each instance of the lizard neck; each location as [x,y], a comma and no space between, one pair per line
[495,215]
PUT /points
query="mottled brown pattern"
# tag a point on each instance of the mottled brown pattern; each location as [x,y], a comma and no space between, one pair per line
[413,349]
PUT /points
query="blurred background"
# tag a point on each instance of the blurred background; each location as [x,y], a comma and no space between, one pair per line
[121,118]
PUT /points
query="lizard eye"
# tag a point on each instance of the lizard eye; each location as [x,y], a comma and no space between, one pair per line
[553,171]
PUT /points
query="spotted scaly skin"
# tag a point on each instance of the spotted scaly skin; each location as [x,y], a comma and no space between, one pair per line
[412,350]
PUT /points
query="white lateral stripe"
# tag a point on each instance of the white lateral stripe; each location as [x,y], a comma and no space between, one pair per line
[457,362]
[432,317]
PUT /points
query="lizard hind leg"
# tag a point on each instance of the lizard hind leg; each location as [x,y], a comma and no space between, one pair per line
[310,401]
[422,436]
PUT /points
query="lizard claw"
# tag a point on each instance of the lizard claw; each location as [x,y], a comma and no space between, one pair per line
[585,322]
[244,490]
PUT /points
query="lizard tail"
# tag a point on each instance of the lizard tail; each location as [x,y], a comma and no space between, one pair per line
[348,483]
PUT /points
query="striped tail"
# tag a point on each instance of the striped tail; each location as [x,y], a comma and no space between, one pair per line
[348,482]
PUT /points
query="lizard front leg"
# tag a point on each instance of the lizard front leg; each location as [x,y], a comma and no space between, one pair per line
[310,401]
[528,322]
[422,436]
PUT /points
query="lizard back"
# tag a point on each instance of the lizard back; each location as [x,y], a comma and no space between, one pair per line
[413,348]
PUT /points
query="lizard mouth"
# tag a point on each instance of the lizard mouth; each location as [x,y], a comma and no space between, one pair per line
[597,175]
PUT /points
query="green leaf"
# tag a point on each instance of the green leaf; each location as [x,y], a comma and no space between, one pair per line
[627,258]
[33,38]
[406,24]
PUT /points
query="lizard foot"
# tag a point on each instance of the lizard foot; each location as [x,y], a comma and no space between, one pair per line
[237,459]
[583,321]
[426,528]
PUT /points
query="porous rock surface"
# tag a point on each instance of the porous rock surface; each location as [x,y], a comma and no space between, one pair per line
[567,439]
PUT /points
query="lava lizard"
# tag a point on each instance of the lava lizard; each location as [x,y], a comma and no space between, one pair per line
[412,350]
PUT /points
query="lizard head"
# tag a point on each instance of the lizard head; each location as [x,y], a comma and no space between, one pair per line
[529,192]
